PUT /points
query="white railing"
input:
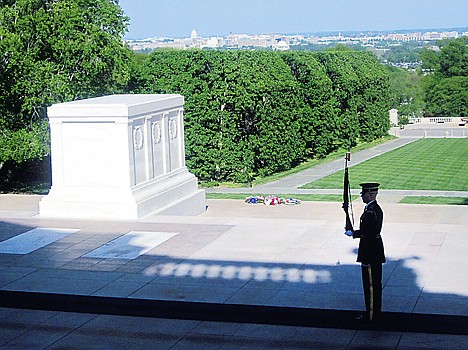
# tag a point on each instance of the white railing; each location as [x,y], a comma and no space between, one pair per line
[434,120]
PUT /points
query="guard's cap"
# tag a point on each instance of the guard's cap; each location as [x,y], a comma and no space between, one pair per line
[369,187]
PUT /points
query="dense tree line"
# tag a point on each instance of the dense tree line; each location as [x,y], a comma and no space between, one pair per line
[406,92]
[50,52]
[439,88]
[247,113]
[446,87]
[405,52]
[257,112]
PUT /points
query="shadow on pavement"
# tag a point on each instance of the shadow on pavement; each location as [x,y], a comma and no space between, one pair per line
[166,274]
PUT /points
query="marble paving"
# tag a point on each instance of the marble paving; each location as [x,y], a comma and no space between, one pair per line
[34,239]
[131,245]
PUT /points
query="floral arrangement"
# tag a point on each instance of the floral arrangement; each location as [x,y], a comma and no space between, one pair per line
[271,200]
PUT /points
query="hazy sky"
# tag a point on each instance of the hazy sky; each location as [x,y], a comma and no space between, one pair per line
[177,18]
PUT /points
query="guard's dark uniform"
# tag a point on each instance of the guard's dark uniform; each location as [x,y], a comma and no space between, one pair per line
[371,255]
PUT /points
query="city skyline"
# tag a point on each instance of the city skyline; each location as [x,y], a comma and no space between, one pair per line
[177,18]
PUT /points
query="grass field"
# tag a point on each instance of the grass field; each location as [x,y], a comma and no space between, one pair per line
[434,200]
[426,164]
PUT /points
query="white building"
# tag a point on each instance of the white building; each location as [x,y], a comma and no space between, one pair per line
[281,46]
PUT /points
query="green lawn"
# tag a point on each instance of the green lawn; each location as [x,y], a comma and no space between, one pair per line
[426,164]
[435,200]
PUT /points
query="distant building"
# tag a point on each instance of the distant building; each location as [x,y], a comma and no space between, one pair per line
[281,46]
[394,117]
[377,42]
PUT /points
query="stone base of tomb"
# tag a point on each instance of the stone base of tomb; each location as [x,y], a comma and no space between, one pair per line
[177,194]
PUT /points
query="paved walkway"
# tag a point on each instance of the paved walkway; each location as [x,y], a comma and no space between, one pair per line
[238,276]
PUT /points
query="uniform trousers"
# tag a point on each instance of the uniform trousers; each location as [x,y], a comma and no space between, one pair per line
[372,285]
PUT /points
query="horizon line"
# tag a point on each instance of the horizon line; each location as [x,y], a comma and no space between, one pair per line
[311,32]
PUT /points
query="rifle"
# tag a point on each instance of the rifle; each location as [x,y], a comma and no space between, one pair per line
[347,205]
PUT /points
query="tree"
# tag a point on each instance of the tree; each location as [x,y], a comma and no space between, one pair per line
[445,88]
[453,59]
[344,85]
[429,59]
[372,96]
[250,113]
[320,114]
[449,97]
[406,93]
[402,53]
[54,51]
[360,84]
[241,115]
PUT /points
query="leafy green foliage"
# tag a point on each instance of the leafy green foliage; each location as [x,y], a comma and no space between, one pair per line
[361,86]
[237,119]
[430,59]
[453,59]
[247,113]
[25,144]
[446,88]
[406,92]
[449,97]
[55,51]
[253,113]
[404,53]
[319,115]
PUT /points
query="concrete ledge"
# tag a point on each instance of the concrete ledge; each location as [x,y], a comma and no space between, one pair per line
[272,315]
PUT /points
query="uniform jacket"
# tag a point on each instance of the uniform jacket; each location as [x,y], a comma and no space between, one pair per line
[371,249]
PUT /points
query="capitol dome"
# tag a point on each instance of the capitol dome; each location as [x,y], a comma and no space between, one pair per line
[281,46]
[194,34]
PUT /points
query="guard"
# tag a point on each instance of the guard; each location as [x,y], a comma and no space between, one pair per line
[371,252]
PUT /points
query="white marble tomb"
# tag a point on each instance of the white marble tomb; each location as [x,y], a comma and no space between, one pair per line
[122,157]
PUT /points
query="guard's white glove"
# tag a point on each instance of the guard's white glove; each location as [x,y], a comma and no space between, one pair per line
[348,233]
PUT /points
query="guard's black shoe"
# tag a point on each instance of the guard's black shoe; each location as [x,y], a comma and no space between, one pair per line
[362,319]
[365,319]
